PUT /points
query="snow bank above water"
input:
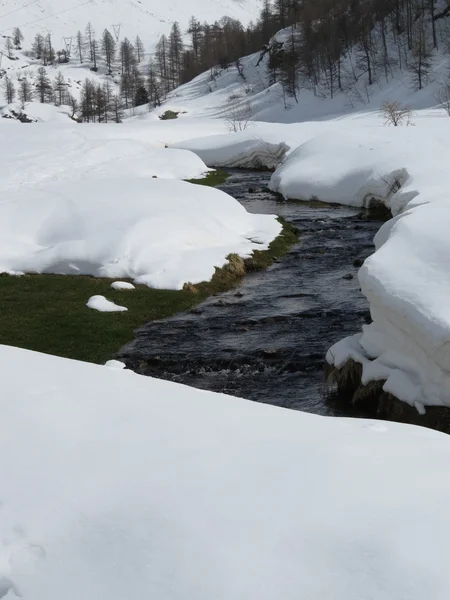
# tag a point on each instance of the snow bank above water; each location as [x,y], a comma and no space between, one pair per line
[133,491]
[244,149]
[407,280]
[161,233]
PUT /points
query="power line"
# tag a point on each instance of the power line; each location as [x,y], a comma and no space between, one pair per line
[50,16]
[20,8]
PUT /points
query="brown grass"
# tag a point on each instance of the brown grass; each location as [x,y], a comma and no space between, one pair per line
[235,265]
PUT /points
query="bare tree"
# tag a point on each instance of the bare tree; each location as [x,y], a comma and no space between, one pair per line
[60,89]
[443,96]
[80,45]
[9,47]
[43,86]
[395,113]
[17,38]
[74,106]
[10,90]
[140,50]
[25,91]
[237,117]
[108,49]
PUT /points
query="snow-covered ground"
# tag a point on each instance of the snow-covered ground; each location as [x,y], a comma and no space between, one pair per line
[100,200]
[120,486]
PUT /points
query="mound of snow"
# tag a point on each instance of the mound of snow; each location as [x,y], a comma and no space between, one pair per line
[115,364]
[44,152]
[122,285]
[158,232]
[407,279]
[141,488]
[243,149]
[101,304]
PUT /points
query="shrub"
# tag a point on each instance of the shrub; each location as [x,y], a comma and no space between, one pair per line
[169,114]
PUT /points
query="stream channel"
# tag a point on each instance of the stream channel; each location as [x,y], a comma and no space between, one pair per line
[266,339]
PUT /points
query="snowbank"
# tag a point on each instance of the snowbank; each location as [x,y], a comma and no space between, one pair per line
[121,486]
[243,149]
[407,279]
[158,232]
[45,152]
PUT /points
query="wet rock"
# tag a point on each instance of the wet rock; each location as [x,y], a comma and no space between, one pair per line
[270,352]
[358,262]
[196,311]
[221,303]
[239,295]
[348,276]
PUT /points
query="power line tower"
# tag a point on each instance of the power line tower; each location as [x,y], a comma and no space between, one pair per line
[116,29]
[68,44]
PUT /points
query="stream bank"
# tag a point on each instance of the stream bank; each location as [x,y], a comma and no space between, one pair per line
[266,339]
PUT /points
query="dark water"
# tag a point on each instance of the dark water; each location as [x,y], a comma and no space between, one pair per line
[266,340]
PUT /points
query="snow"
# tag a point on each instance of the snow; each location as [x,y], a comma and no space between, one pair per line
[406,280]
[101,304]
[115,364]
[133,491]
[243,149]
[158,232]
[122,285]
[51,151]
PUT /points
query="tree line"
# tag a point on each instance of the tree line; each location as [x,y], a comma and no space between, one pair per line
[327,46]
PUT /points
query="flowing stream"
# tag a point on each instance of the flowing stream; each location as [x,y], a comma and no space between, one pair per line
[266,339]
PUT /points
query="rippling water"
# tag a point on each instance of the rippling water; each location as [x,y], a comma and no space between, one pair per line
[266,340]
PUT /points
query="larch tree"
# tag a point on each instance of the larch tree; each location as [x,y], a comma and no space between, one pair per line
[38,46]
[80,46]
[43,86]
[140,50]
[60,89]
[9,88]
[17,38]
[9,47]
[25,91]
[108,49]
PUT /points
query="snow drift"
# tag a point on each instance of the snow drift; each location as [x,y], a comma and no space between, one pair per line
[121,486]
[406,281]
[160,233]
[243,149]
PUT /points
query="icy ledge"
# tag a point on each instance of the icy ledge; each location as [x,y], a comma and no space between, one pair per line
[407,279]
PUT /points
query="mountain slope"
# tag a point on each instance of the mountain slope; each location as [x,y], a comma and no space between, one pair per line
[147,18]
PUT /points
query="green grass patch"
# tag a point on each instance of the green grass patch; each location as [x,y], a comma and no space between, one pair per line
[48,313]
[212,178]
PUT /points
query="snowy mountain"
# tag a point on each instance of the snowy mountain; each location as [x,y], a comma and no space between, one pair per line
[146,18]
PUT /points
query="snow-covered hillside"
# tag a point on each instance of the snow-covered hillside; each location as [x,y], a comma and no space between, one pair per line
[250,88]
[120,486]
[147,18]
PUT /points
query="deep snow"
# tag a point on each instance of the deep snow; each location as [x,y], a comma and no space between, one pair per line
[159,232]
[121,486]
